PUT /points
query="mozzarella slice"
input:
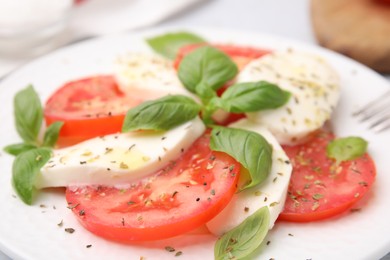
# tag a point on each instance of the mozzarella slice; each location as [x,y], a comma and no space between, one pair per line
[119,158]
[271,193]
[314,86]
[148,74]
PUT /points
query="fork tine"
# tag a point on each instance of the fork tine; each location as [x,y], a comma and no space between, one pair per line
[376,113]
[374,106]
[379,121]
[380,128]
[373,111]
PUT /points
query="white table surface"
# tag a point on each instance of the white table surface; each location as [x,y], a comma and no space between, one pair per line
[288,18]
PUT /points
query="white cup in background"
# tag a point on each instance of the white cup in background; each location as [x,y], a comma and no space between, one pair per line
[32,27]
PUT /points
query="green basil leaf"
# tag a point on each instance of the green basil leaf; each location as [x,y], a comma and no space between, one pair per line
[51,134]
[248,148]
[169,44]
[348,148]
[161,114]
[28,114]
[205,70]
[15,149]
[244,239]
[25,169]
[253,96]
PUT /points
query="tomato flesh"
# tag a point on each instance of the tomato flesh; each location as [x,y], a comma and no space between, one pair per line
[181,197]
[318,187]
[88,107]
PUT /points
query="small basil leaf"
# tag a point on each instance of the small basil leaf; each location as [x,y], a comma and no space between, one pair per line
[242,240]
[51,134]
[169,44]
[28,114]
[161,114]
[25,169]
[15,149]
[253,96]
[205,70]
[348,148]
[248,148]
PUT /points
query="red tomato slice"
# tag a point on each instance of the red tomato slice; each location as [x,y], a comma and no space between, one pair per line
[88,107]
[177,199]
[318,188]
[240,55]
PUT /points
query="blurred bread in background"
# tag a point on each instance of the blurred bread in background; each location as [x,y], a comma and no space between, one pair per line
[359,29]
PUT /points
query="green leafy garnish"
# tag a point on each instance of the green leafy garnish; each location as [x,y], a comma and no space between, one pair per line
[51,134]
[345,149]
[205,70]
[244,239]
[255,153]
[252,96]
[25,169]
[33,153]
[28,121]
[15,149]
[28,114]
[161,114]
[169,44]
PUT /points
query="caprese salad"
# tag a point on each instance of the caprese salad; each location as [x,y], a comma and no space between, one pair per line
[196,134]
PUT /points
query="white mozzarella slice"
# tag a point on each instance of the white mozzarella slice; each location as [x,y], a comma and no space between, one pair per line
[149,74]
[271,193]
[315,90]
[119,158]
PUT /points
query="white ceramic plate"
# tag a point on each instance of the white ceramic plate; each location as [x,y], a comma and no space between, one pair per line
[32,232]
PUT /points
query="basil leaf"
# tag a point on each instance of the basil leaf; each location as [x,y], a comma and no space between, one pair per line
[242,240]
[253,96]
[15,149]
[169,44]
[348,148]
[161,114]
[51,134]
[28,114]
[25,169]
[248,148]
[205,70]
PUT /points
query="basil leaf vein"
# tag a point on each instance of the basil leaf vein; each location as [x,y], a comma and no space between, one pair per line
[28,114]
[242,240]
[25,169]
[248,148]
[253,96]
[169,44]
[51,134]
[348,148]
[161,114]
[205,70]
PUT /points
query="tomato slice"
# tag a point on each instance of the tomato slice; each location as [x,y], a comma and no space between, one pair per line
[318,188]
[240,55]
[88,107]
[181,197]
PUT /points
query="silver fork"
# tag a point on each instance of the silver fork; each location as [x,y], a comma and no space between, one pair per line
[376,113]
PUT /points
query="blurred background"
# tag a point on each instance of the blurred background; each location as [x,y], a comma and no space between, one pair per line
[356,28]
